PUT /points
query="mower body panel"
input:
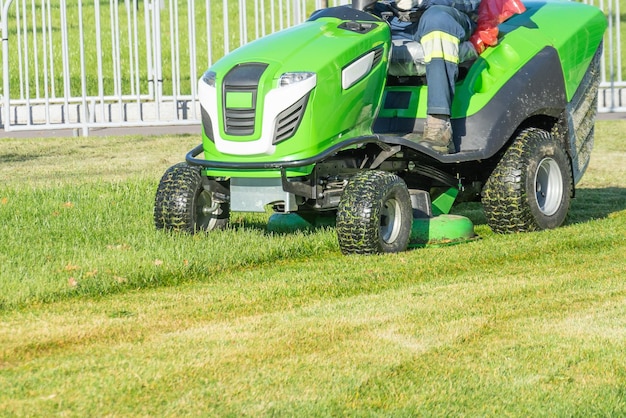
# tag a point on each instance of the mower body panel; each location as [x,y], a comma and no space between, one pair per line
[536,69]
[293,94]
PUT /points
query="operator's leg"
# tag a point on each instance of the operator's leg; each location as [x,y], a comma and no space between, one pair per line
[440,30]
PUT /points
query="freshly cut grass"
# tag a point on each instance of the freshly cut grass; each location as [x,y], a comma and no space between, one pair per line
[102,315]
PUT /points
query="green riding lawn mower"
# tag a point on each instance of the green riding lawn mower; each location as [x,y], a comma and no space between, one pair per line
[321,123]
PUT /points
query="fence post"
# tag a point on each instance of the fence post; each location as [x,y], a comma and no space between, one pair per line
[5,63]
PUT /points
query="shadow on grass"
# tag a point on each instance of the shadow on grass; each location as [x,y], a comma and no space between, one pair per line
[284,224]
[18,158]
[29,155]
[588,205]
[591,204]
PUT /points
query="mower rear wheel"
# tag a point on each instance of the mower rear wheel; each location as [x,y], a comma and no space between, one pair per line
[374,214]
[182,203]
[531,187]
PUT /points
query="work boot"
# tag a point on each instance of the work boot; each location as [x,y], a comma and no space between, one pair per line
[438,134]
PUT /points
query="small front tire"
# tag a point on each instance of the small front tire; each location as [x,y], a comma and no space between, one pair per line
[374,214]
[183,204]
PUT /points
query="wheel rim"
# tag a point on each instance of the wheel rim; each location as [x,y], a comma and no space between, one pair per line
[205,210]
[548,186]
[390,221]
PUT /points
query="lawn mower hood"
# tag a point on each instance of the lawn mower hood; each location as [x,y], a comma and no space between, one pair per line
[297,92]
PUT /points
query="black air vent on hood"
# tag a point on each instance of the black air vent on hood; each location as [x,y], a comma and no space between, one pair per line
[242,79]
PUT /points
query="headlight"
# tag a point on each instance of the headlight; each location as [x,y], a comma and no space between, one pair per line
[288,79]
[209,78]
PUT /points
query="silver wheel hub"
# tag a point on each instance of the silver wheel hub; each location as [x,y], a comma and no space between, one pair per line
[206,205]
[390,221]
[548,186]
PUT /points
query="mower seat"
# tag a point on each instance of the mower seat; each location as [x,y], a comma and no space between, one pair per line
[407,57]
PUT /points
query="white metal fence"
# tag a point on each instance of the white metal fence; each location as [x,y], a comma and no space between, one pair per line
[82,64]
[612,94]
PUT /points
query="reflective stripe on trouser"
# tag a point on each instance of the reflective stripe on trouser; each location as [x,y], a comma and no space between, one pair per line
[438,44]
[440,30]
[441,55]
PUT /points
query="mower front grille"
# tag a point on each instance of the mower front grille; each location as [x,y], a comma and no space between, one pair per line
[239,122]
[241,82]
[289,119]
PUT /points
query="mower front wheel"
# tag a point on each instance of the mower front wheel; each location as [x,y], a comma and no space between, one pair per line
[183,204]
[531,187]
[374,214]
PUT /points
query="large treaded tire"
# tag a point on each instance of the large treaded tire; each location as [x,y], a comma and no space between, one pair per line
[374,214]
[531,187]
[182,204]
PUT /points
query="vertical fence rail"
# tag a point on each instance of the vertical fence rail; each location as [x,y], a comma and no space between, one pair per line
[612,94]
[82,64]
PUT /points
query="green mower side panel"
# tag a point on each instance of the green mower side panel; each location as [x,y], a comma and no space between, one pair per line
[537,68]
[574,30]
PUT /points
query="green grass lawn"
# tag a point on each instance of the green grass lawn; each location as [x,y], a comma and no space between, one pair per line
[102,315]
